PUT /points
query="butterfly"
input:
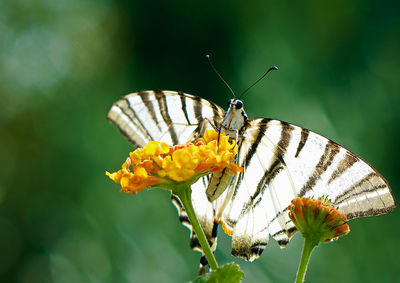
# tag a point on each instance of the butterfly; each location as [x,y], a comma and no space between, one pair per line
[281,161]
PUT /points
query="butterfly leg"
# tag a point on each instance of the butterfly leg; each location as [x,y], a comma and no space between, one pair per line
[199,131]
[236,141]
[215,127]
[212,124]
[219,134]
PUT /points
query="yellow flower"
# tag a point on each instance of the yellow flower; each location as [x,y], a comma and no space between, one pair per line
[317,219]
[159,165]
[132,182]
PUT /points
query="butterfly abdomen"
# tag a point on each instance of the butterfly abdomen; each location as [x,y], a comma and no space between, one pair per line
[219,181]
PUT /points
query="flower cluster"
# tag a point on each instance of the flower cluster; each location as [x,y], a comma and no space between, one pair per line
[157,164]
[317,219]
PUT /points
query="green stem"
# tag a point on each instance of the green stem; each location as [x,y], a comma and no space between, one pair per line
[309,245]
[185,197]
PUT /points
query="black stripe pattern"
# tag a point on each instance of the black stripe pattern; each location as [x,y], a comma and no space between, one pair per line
[331,150]
[303,140]
[184,110]
[163,108]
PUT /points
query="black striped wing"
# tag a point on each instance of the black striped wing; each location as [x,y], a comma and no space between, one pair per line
[281,162]
[167,116]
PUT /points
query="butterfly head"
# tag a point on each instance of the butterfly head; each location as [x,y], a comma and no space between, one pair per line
[235,103]
[235,118]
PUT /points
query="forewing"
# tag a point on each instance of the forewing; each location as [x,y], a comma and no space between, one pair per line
[283,161]
[167,116]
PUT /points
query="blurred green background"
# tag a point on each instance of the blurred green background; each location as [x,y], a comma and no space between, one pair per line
[62,65]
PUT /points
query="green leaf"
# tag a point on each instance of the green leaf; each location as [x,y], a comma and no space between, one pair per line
[228,273]
[201,279]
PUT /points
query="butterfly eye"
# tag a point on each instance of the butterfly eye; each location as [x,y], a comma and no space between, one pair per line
[239,104]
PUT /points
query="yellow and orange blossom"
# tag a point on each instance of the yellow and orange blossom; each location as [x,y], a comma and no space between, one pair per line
[157,164]
[317,219]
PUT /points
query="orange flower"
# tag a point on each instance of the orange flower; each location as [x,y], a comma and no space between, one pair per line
[132,182]
[317,219]
[159,165]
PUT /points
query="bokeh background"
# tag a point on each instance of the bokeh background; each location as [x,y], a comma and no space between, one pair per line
[64,62]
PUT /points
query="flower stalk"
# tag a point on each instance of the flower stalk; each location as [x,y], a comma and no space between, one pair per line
[309,245]
[185,196]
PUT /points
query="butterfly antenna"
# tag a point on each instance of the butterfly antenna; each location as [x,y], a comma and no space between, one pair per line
[219,135]
[274,68]
[222,79]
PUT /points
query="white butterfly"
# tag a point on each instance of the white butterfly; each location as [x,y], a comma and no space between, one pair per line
[281,161]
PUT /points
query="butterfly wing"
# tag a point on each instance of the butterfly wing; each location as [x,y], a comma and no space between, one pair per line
[167,116]
[283,161]
[173,118]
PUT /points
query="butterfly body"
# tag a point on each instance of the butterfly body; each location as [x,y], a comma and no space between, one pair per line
[233,125]
[281,161]
[235,119]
